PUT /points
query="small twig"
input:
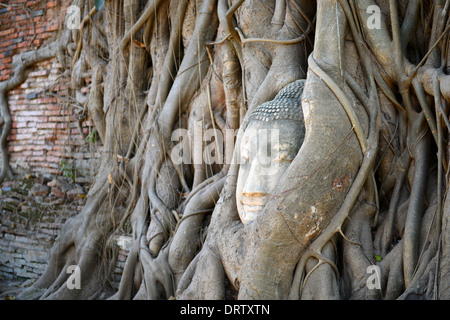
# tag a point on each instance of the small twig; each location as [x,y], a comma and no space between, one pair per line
[229,19]
[286,42]
[422,62]
[437,97]
[146,16]
[310,24]
[436,272]
[213,43]
[208,91]
[347,239]
[420,94]
[346,104]
[321,260]
[80,39]
[178,169]
[205,211]
[190,67]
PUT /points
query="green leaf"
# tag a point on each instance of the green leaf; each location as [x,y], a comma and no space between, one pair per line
[99,4]
[378,257]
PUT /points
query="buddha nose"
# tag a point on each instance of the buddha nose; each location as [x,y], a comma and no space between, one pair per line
[256,184]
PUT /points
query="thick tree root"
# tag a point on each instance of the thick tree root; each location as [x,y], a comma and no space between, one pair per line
[360,194]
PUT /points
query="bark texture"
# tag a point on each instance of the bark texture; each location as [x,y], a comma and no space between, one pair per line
[366,191]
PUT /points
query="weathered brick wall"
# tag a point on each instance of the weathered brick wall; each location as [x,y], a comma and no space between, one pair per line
[45,137]
[32,213]
[29,225]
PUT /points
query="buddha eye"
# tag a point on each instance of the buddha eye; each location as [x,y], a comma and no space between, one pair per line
[246,152]
[244,157]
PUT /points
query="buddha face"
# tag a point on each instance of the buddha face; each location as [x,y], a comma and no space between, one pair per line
[267,149]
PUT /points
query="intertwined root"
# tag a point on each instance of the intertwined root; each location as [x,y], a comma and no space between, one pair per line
[363,191]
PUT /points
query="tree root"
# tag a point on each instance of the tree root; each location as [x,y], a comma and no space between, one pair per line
[245,40]
[185,243]
[20,67]
[305,229]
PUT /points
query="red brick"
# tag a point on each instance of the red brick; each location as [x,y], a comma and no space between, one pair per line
[52,27]
[38,153]
[53,113]
[46,125]
[36,113]
[23,44]
[56,154]
[19,124]
[26,32]
[57,119]
[53,159]
[21,17]
[24,137]
[13,36]
[32,3]
[39,148]
[38,19]
[40,72]
[17,148]
[5,32]
[26,119]
[6,43]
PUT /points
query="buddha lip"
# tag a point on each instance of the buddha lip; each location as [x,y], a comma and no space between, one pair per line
[253,201]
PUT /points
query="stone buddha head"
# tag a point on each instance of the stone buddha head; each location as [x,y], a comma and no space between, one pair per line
[271,141]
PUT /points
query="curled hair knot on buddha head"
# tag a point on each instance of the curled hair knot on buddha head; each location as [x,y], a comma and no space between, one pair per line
[285,106]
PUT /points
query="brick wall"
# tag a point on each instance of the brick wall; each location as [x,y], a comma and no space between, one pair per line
[28,229]
[31,217]
[45,136]
[45,139]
